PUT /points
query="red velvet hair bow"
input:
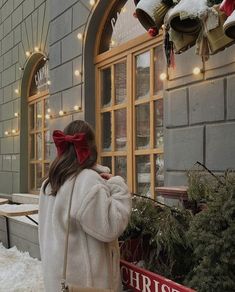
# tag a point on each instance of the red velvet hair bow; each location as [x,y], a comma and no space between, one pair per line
[78,140]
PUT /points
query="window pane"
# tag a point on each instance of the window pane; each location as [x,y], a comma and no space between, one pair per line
[38,175]
[159,164]
[47,113]
[120,82]
[120,26]
[120,129]
[143,75]
[39,146]
[106,87]
[143,175]
[39,115]
[32,144]
[121,166]
[159,67]
[47,145]
[107,161]
[46,168]
[32,176]
[142,126]
[106,130]
[158,108]
[31,116]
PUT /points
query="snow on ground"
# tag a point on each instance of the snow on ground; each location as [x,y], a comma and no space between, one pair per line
[19,272]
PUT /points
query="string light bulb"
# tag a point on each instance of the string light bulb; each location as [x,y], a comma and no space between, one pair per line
[6,133]
[48,82]
[163,76]
[49,110]
[27,53]
[79,36]
[76,107]
[92,2]
[36,49]
[77,73]
[196,70]
[13,131]
[61,113]
[47,116]
[16,91]
[16,115]
[39,116]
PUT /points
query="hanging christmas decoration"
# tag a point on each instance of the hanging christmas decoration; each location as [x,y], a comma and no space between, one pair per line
[216,38]
[227,6]
[151,13]
[186,16]
[229,25]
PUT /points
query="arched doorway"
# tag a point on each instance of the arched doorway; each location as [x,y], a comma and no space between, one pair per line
[128,95]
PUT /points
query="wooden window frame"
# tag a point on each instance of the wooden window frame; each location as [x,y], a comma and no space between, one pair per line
[128,52]
[33,100]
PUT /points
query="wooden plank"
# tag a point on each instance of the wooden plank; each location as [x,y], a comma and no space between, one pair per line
[3,201]
[8,210]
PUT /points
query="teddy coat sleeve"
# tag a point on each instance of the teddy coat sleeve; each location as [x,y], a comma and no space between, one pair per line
[105,210]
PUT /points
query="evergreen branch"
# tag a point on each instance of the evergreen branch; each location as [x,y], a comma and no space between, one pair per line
[210,172]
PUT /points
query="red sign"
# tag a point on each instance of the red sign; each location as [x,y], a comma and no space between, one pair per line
[138,279]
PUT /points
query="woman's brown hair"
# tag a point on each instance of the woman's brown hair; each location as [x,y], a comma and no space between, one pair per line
[67,165]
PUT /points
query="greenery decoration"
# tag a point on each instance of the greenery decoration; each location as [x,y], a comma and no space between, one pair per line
[196,250]
[161,233]
[212,233]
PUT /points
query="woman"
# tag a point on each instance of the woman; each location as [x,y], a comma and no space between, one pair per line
[100,210]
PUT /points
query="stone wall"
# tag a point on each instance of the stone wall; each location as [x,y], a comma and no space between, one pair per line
[200,115]
[23,26]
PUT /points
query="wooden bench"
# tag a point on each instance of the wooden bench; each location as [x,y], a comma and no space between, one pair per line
[8,210]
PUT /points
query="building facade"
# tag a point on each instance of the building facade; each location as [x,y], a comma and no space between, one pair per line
[65,60]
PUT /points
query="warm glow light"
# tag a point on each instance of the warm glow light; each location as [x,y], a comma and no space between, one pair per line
[124,9]
[6,133]
[112,42]
[163,76]
[47,116]
[196,71]
[92,2]
[36,49]
[16,91]
[13,131]
[61,113]
[76,107]
[79,36]
[16,115]
[49,110]
[27,53]
[49,82]
[77,73]
[39,116]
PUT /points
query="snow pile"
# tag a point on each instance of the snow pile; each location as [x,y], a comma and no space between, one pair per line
[190,8]
[19,272]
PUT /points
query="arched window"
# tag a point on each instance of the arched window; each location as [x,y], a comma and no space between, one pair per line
[130,100]
[39,136]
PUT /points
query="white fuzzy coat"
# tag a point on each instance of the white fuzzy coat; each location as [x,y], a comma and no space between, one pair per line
[99,214]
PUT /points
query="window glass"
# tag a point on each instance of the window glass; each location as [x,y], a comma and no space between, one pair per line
[143,168]
[115,30]
[106,129]
[106,91]
[143,75]
[142,126]
[120,129]
[158,111]
[121,166]
[120,82]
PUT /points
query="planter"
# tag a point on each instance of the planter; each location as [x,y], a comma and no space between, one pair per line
[138,279]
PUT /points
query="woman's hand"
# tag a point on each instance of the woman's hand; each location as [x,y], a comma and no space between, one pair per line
[106,175]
